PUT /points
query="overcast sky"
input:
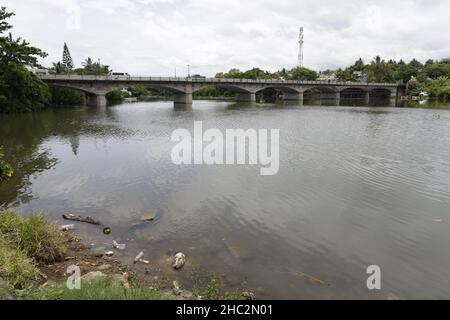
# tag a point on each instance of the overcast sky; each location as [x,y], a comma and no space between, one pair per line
[152,37]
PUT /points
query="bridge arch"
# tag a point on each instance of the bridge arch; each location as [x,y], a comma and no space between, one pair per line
[382,97]
[321,95]
[354,96]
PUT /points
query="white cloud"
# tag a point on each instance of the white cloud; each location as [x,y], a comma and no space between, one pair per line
[155,36]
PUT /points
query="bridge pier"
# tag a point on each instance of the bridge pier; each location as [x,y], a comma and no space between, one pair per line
[337,98]
[393,99]
[96,100]
[293,97]
[182,100]
[245,97]
[366,98]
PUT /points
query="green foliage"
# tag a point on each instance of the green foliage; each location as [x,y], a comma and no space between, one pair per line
[116,96]
[346,75]
[213,91]
[33,235]
[212,288]
[16,51]
[439,69]
[66,97]
[21,91]
[99,289]
[139,91]
[59,68]
[15,266]
[302,74]
[93,68]
[256,73]
[438,88]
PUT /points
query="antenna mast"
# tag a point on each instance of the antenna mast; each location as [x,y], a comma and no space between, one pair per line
[300,51]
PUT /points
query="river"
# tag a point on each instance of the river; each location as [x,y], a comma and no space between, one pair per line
[357,186]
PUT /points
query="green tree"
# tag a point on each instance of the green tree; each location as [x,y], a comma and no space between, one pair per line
[94,68]
[17,50]
[20,90]
[139,91]
[436,70]
[302,74]
[379,71]
[346,75]
[59,68]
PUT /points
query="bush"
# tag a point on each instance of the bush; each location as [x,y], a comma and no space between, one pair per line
[15,266]
[40,240]
[116,96]
[21,91]
[65,97]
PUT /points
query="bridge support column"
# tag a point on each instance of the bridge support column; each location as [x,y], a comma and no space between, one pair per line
[245,97]
[393,99]
[366,98]
[293,97]
[182,100]
[96,100]
[337,98]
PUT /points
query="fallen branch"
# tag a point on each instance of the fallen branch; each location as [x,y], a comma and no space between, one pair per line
[72,217]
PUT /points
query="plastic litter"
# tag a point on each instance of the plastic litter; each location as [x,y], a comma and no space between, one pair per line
[119,246]
[67,227]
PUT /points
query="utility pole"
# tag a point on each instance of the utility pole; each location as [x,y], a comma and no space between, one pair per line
[175,72]
[300,49]
[189,70]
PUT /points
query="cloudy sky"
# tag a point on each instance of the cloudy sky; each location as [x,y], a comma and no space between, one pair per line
[153,37]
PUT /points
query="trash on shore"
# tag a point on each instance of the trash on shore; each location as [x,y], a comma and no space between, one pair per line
[67,227]
[109,253]
[149,216]
[140,258]
[72,217]
[179,260]
[119,246]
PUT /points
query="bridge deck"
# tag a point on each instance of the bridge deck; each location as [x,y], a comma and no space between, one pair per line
[206,80]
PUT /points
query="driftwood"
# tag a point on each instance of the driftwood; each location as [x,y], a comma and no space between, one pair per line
[72,217]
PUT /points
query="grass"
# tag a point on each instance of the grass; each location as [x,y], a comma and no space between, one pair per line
[99,289]
[16,266]
[212,288]
[24,243]
[34,235]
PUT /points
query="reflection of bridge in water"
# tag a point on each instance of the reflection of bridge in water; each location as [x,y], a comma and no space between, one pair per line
[327,92]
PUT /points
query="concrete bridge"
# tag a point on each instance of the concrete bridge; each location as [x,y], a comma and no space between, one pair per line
[96,88]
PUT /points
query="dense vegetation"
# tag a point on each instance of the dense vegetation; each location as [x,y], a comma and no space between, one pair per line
[432,77]
[21,90]
[25,243]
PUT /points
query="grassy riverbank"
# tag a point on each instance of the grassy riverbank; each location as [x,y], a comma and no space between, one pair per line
[35,256]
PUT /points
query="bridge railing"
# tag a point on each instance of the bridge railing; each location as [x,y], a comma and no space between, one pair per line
[204,80]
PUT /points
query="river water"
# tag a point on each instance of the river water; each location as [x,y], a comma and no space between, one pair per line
[357,186]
